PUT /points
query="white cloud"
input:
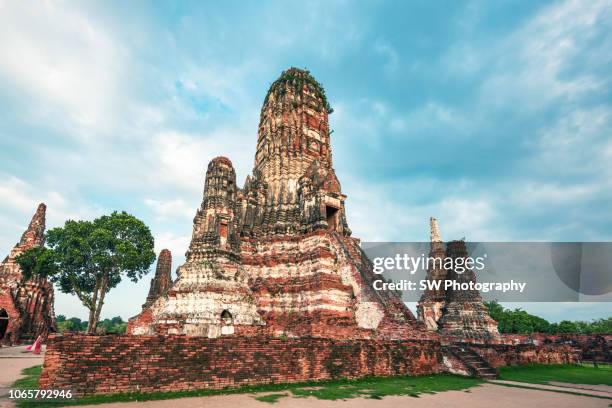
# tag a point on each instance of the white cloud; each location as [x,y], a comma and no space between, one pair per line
[374,214]
[67,63]
[130,137]
[542,194]
[170,209]
[530,67]
[177,244]
[18,203]
[180,159]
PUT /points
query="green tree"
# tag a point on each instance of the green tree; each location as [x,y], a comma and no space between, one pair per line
[566,326]
[37,261]
[116,320]
[89,258]
[516,321]
[520,322]
[73,324]
[114,325]
[601,326]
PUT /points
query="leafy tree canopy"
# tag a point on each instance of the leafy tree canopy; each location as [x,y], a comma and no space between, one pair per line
[89,258]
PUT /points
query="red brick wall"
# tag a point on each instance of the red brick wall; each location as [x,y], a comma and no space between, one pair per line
[499,355]
[124,363]
[14,324]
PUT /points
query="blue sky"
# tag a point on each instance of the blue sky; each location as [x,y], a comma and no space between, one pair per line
[495,117]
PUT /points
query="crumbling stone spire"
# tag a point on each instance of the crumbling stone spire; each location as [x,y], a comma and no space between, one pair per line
[29,303]
[431,304]
[211,294]
[293,128]
[294,187]
[162,280]
[214,226]
[465,316]
[435,231]
[34,235]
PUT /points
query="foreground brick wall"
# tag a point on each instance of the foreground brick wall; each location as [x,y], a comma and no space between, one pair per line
[124,363]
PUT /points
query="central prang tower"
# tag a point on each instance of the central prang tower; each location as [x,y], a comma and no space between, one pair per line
[293,129]
[276,257]
[294,185]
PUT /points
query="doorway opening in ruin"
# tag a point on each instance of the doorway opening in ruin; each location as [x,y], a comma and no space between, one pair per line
[4,321]
[223,232]
[226,318]
[331,215]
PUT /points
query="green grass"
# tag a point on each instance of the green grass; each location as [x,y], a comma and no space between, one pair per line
[372,387]
[543,374]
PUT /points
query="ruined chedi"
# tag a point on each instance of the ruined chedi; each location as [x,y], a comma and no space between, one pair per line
[431,304]
[162,280]
[276,257]
[26,307]
[465,317]
[460,314]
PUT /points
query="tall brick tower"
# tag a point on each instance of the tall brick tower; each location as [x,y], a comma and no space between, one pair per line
[162,280]
[25,306]
[431,304]
[294,183]
[211,296]
[277,256]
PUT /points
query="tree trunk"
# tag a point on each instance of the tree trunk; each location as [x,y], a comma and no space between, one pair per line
[92,313]
[103,286]
[91,323]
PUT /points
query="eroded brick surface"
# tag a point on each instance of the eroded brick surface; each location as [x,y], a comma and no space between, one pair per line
[28,304]
[276,257]
[457,315]
[112,364]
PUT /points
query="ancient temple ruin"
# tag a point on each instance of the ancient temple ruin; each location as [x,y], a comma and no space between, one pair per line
[457,315]
[26,307]
[275,289]
[432,302]
[276,256]
[162,280]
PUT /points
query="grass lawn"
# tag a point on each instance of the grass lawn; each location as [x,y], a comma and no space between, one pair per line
[372,387]
[543,374]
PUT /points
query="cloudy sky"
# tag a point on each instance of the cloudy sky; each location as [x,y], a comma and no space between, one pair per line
[496,117]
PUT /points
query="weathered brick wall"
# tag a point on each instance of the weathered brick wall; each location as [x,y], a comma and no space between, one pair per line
[590,347]
[498,355]
[125,363]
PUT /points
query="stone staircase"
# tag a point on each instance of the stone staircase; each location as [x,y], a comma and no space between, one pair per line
[476,364]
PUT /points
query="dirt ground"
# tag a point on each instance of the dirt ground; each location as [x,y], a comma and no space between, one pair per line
[485,396]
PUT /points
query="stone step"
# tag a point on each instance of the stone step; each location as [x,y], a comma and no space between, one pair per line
[482,368]
[475,362]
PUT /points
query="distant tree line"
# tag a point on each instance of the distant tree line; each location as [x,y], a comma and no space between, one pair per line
[106,326]
[518,321]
